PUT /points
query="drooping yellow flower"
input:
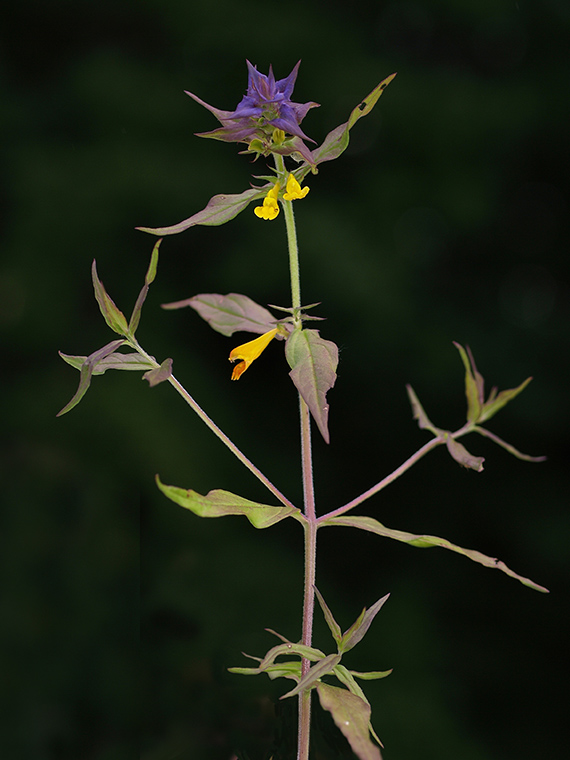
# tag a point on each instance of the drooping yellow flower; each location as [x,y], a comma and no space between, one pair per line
[270,207]
[293,190]
[248,352]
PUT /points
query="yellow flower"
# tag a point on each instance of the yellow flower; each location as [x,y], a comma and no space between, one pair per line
[248,352]
[293,191]
[270,207]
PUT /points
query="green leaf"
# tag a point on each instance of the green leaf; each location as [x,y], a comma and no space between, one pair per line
[148,280]
[313,363]
[334,627]
[86,369]
[461,455]
[220,503]
[492,406]
[352,716]
[314,674]
[114,317]
[418,411]
[473,386]
[346,677]
[130,361]
[359,628]
[290,669]
[229,314]
[219,210]
[336,142]
[425,541]
[159,374]
[309,653]
[371,675]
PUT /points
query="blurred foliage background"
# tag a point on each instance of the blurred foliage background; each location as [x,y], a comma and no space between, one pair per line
[446,219]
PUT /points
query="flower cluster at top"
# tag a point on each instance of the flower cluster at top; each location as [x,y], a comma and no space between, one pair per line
[265,109]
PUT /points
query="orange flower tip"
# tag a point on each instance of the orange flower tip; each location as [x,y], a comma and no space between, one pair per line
[249,352]
[238,370]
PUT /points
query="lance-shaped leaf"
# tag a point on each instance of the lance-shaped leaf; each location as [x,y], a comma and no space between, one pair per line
[359,628]
[461,455]
[334,627]
[291,668]
[114,317]
[220,503]
[494,403]
[130,361]
[86,369]
[336,142]
[313,363]
[424,542]
[229,314]
[220,209]
[159,374]
[474,385]
[352,716]
[418,411]
[346,677]
[148,280]
[314,674]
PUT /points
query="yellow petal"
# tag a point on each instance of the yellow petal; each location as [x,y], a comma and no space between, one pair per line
[293,190]
[270,208]
[248,352]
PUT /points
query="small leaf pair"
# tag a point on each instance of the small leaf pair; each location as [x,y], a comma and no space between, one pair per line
[108,357]
[478,410]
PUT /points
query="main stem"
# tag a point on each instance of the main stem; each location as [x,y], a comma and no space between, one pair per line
[310,526]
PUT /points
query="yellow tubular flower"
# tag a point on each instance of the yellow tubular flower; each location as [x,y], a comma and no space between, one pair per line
[270,207]
[294,191]
[249,352]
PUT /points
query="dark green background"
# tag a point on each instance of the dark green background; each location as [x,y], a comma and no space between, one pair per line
[446,219]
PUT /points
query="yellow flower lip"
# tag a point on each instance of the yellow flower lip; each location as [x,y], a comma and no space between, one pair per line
[293,190]
[270,208]
[248,352]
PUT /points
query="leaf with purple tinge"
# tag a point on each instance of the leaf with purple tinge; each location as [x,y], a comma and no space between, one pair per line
[314,674]
[334,627]
[159,374]
[352,716]
[424,542]
[336,142]
[360,627]
[418,411]
[87,368]
[130,361]
[148,280]
[219,210]
[229,314]
[220,503]
[464,457]
[313,361]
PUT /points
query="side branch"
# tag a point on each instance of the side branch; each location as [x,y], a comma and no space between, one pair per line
[387,480]
[228,442]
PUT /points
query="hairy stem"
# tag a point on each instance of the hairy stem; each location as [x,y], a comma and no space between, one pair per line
[310,526]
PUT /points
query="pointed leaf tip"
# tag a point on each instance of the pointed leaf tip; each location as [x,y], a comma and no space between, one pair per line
[313,361]
[113,316]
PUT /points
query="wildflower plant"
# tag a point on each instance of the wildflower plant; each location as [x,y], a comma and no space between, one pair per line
[268,123]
